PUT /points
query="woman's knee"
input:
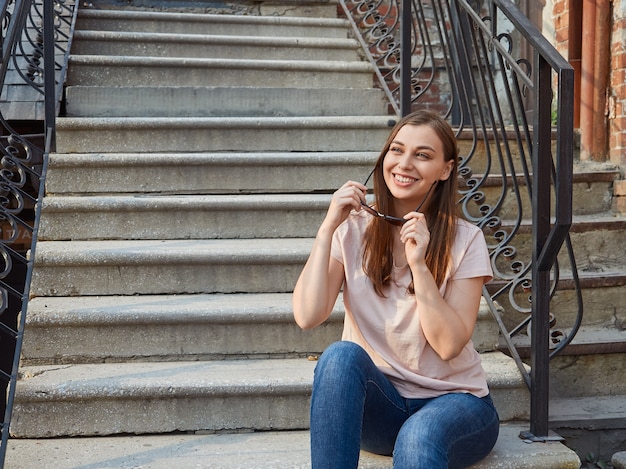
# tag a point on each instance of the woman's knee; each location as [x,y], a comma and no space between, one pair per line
[453,430]
[341,355]
[341,363]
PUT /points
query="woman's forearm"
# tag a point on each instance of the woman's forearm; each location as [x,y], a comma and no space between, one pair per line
[448,324]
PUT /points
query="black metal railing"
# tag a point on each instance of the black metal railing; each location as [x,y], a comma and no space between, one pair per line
[509,94]
[36,36]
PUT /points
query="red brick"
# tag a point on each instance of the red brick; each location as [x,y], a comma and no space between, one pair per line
[617,48]
[618,141]
[619,204]
[618,77]
[561,35]
[559,8]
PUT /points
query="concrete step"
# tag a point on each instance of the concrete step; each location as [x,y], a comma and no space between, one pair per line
[602,294]
[597,241]
[161,397]
[186,101]
[96,70]
[592,425]
[260,450]
[197,23]
[594,365]
[98,329]
[591,192]
[180,172]
[209,45]
[233,134]
[85,217]
[167,267]
[182,217]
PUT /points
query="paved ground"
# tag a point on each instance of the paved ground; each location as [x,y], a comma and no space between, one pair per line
[244,450]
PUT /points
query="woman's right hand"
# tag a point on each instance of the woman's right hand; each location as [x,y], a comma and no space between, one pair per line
[345,199]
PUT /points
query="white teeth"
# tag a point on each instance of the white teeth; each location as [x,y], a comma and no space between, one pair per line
[404,179]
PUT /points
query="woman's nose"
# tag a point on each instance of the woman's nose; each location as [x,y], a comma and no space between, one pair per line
[406,160]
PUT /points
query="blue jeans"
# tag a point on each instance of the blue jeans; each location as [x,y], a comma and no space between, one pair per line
[355,406]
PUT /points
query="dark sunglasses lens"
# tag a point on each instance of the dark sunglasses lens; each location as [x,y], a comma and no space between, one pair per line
[396,221]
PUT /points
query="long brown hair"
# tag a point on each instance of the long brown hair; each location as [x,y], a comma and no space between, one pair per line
[441,215]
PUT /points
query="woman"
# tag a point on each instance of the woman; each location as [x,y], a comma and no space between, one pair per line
[405,379]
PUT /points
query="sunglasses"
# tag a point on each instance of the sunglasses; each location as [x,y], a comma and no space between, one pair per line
[388,218]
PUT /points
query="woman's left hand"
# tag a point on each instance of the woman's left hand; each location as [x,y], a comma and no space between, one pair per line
[415,235]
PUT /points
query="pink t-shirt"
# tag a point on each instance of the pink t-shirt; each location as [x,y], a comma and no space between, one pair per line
[389,328]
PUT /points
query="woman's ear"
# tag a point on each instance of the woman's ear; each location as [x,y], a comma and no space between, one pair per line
[445,174]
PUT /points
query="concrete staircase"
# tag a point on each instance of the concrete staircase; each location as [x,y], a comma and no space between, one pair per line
[180,207]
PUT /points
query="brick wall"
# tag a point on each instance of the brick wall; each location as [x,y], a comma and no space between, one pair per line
[560,12]
[567,40]
[617,91]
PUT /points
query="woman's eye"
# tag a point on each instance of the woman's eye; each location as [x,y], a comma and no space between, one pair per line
[422,155]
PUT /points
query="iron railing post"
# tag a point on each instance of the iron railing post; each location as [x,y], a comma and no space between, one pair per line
[542,175]
[405,58]
[49,72]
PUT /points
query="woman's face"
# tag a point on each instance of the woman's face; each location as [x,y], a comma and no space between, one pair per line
[415,161]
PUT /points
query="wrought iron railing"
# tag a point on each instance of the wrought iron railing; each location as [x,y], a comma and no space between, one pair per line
[36,36]
[487,68]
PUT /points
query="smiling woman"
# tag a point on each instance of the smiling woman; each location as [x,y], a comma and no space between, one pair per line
[405,379]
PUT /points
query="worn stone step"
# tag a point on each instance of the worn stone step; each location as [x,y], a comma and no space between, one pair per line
[161,397]
[597,241]
[214,173]
[602,295]
[96,329]
[233,134]
[187,101]
[197,23]
[591,425]
[260,450]
[182,217]
[597,351]
[72,268]
[591,192]
[209,45]
[96,70]
[85,217]
[151,397]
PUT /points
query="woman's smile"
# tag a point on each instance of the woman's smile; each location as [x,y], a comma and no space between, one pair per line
[404,179]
